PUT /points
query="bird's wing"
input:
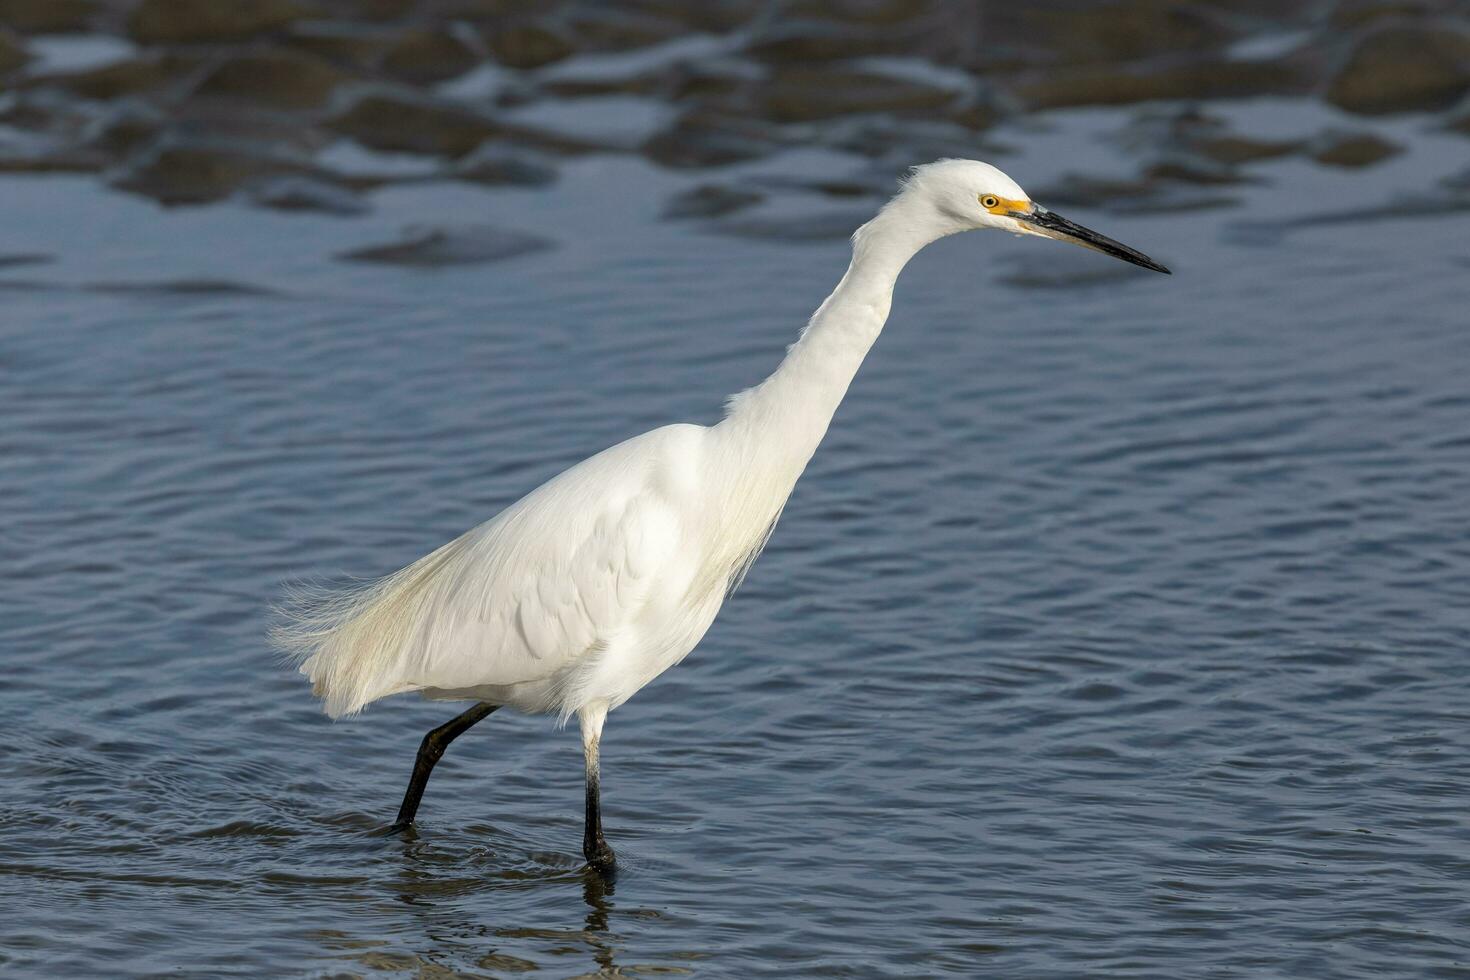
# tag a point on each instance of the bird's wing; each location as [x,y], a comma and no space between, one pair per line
[517,599]
[564,569]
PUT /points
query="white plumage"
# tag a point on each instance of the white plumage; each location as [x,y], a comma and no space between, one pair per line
[525,608]
[584,590]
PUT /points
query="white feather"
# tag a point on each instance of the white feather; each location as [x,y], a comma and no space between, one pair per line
[514,606]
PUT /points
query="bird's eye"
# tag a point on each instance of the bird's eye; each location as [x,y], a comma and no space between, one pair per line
[989,201]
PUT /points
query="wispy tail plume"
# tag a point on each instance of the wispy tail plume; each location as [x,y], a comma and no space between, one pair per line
[352,642]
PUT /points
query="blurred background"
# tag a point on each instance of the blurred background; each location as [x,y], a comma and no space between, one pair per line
[1117,630]
[309,104]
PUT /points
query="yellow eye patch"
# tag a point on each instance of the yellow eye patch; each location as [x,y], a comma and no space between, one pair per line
[1002,205]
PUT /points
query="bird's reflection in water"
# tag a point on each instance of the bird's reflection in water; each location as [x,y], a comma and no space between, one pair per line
[459,907]
[596,891]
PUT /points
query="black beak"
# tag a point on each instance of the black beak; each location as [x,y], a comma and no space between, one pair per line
[1053,225]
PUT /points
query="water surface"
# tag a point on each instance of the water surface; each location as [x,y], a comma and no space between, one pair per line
[1118,629]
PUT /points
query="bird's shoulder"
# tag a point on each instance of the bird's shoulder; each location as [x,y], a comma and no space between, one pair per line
[621,508]
[662,464]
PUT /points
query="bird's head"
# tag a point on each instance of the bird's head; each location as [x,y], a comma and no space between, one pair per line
[967,195]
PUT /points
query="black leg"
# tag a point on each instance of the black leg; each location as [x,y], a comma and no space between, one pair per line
[594,846]
[430,750]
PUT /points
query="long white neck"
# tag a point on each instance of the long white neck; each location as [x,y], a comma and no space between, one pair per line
[770,431]
[788,413]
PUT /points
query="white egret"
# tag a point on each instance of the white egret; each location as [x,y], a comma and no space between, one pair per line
[593,584]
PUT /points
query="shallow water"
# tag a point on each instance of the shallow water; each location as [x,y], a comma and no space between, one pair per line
[1118,628]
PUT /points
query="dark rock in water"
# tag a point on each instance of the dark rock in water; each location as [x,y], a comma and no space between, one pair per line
[415,124]
[801,41]
[710,201]
[1404,68]
[182,288]
[23,111]
[274,77]
[1204,78]
[706,139]
[800,94]
[709,18]
[298,192]
[131,124]
[1362,13]
[426,55]
[1353,14]
[357,47]
[982,110]
[904,140]
[25,258]
[706,82]
[460,245]
[1234,149]
[48,16]
[12,52]
[1192,169]
[1201,146]
[879,182]
[492,164]
[527,45]
[193,21]
[606,27]
[133,76]
[198,172]
[1353,149]
[1083,32]
[389,10]
[1460,124]
[873,13]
